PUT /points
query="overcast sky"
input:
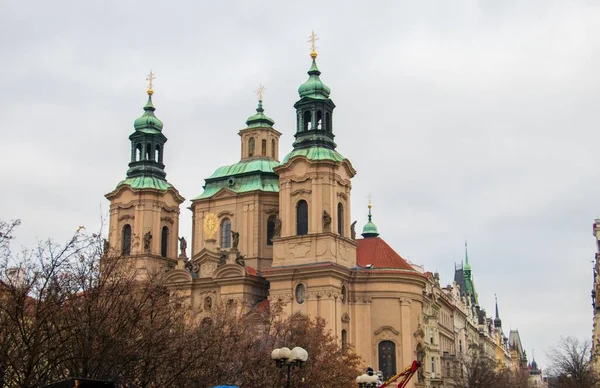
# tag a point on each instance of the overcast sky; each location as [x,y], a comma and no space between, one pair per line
[464,119]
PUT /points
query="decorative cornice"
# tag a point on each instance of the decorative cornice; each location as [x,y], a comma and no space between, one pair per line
[301,191]
[225,213]
[168,219]
[382,328]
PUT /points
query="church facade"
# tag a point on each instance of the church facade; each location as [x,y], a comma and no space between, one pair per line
[268,230]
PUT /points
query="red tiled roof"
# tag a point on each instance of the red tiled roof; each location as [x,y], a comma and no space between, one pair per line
[250,270]
[377,252]
[263,306]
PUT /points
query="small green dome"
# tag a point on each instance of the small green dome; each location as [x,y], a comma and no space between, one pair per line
[148,122]
[314,87]
[370,229]
[260,119]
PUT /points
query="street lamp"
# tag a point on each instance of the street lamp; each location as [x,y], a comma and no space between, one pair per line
[367,381]
[285,357]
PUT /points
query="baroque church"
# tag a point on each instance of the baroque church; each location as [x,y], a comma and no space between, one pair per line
[267,230]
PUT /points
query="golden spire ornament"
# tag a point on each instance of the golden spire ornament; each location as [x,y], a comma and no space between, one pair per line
[260,92]
[149,78]
[313,48]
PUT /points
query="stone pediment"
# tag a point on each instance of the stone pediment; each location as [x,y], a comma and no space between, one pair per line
[224,193]
[229,271]
[206,263]
[178,276]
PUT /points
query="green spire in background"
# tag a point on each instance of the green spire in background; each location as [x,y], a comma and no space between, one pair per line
[370,229]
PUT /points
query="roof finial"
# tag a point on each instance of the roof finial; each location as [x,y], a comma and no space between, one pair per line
[370,206]
[260,92]
[313,48]
[149,78]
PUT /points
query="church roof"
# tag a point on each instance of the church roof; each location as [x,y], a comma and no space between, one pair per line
[145,182]
[315,153]
[245,167]
[242,177]
[376,252]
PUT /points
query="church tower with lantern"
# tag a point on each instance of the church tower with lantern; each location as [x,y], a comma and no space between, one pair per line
[144,207]
[314,248]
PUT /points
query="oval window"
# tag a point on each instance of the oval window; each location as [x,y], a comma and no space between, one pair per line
[300,293]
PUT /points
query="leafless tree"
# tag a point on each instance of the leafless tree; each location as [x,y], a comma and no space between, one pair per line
[570,364]
[73,310]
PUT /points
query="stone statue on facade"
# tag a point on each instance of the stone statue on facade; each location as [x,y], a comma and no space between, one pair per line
[241,260]
[147,241]
[106,246]
[277,228]
[182,246]
[326,221]
[189,266]
[353,230]
[223,258]
[235,239]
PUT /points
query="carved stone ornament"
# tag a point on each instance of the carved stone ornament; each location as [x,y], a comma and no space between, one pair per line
[405,301]
[326,221]
[301,191]
[211,224]
[126,217]
[168,219]
[353,230]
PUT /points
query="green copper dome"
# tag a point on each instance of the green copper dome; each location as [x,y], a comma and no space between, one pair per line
[148,122]
[314,87]
[260,119]
[370,229]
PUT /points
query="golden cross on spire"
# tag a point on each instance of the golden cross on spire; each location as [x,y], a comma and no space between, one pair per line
[313,48]
[370,204]
[260,91]
[149,78]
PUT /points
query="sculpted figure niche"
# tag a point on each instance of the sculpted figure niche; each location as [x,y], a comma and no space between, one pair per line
[147,241]
[235,240]
[326,221]
[277,228]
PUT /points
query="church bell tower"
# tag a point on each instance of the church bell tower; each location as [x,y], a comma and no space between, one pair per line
[314,185]
[144,208]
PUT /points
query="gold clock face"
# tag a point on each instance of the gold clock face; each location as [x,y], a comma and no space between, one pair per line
[210,225]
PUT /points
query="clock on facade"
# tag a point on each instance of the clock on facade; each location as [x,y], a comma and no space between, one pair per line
[210,225]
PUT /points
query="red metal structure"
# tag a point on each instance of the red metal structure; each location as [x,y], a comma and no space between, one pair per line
[406,375]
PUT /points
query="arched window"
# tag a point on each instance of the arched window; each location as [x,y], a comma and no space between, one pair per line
[387,359]
[149,152]
[157,154]
[344,295]
[319,119]
[273,148]
[301,218]
[307,122]
[340,219]
[251,146]
[344,339]
[328,121]
[263,147]
[126,240]
[138,152]
[271,229]
[164,238]
[225,233]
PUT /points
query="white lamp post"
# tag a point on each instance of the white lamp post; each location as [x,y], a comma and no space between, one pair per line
[285,357]
[367,381]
